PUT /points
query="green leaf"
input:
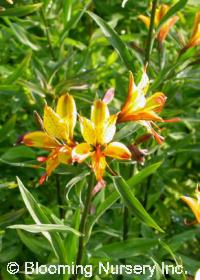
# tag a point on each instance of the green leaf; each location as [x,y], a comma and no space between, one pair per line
[40,218]
[133,203]
[19,152]
[126,131]
[45,227]
[144,173]
[115,41]
[71,241]
[67,10]
[38,246]
[10,217]
[114,196]
[20,70]
[172,11]
[7,128]
[108,202]
[20,11]
[22,35]
[74,43]
[75,180]
[125,249]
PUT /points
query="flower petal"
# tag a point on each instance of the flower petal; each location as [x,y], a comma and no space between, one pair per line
[65,155]
[144,82]
[66,109]
[99,186]
[108,97]
[196,24]
[99,116]
[98,165]
[99,113]
[53,124]
[117,150]
[194,206]
[109,130]
[129,98]
[166,28]
[156,102]
[145,19]
[81,152]
[141,115]
[52,162]
[39,139]
[136,96]
[88,130]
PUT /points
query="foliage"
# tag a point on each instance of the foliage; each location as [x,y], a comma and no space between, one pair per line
[83,47]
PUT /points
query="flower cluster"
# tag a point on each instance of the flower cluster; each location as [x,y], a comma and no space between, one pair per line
[164,29]
[161,11]
[57,136]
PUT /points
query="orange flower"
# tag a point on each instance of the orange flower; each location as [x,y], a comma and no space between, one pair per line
[139,108]
[57,136]
[195,38]
[98,133]
[194,204]
[161,11]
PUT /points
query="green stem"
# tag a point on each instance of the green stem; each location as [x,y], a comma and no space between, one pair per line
[59,197]
[47,34]
[82,226]
[150,34]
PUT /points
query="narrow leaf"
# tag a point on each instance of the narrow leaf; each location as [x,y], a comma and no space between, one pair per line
[20,70]
[115,41]
[40,218]
[125,249]
[20,11]
[133,203]
[139,177]
[45,227]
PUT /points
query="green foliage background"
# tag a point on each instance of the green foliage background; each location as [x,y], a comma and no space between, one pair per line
[57,47]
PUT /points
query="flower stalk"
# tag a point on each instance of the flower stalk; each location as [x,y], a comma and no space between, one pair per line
[150,33]
[82,227]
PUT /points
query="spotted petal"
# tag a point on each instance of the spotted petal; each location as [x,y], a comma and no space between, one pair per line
[53,124]
[88,130]
[66,109]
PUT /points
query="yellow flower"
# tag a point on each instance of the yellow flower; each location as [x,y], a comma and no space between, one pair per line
[98,133]
[194,204]
[161,11]
[57,136]
[10,1]
[138,107]
[195,38]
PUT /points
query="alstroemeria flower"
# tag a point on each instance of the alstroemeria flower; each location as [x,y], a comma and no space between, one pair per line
[98,133]
[195,38]
[161,11]
[138,107]
[57,136]
[194,204]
